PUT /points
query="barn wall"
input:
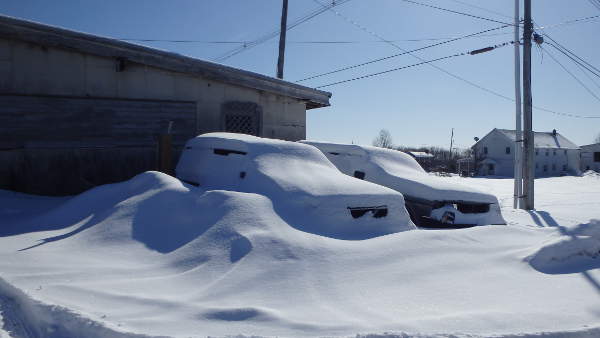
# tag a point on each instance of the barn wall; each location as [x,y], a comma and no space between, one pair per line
[29,69]
[64,145]
[51,99]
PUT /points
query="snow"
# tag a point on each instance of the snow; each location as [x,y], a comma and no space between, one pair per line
[155,256]
[544,139]
[397,170]
[420,154]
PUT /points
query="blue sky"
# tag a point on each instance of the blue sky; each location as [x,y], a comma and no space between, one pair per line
[419,106]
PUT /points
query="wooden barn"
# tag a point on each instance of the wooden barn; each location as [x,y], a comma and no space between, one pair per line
[78,110]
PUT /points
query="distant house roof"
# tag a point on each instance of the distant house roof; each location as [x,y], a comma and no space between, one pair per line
[420,154]
[540,139]
[589,147]
[50,36]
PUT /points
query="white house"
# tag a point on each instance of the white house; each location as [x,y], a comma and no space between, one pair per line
[554,154]
[590,157]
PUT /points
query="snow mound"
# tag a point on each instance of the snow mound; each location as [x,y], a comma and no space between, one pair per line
[577,251]
[23,317]
[591,173]
[159,257]
[585,333]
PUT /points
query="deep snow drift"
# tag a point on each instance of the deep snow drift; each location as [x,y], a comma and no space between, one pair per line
[155,256]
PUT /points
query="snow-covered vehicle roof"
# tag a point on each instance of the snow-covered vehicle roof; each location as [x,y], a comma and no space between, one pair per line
[303,185]
[401,172]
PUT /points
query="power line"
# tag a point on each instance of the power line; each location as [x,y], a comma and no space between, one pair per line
[473,52]
[471,83]
[390,70]
[571,74]
[573,59]
[457,12]
[585,19]
[273,34]
[596,70]
[399,54]
[482,8]
[595,3]
[302,42]
[569,22]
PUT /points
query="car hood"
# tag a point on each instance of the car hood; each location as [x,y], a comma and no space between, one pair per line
[399,171]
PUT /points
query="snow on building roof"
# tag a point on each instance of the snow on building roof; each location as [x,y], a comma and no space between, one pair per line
[544,139]
[51,36]
[590,146]
[420,154]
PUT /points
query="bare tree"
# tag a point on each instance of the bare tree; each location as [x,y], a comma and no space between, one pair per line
[383,140]
[597,139]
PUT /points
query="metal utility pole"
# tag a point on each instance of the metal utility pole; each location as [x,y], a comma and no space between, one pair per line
[284,11]
[518,188]
[528,145]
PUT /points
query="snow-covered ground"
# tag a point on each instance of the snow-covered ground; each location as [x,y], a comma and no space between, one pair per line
[156,257]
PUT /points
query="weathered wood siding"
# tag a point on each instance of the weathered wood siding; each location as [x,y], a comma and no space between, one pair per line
[51,122]
[61,145]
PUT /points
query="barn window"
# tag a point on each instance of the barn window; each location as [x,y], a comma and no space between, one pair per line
[485,151]
[597,156]
[564,167]
[565,151]
[547,152]
[554,152]
[241,117]
[545,167]
[537,151]
[508,150]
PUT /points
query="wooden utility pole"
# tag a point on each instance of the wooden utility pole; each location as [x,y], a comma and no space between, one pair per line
[518,172]
[284,11]
[528,144]
[451,143]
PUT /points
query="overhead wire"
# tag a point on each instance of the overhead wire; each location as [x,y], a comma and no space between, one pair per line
[469,82]
[595,3]
[300,42]
[568,22]
[579,61]
[398,54]
[457,12]
[482,8]
[473,52]
[275,33]
[571,74]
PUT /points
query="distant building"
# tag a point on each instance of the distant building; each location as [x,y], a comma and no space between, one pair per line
[554,154]
[79,110]
[423,158]
[590,157]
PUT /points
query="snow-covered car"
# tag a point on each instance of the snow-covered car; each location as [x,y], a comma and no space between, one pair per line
[306,190]
[431,201]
